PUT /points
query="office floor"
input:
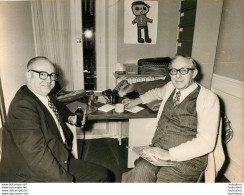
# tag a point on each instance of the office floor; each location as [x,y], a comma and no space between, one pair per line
[108,153]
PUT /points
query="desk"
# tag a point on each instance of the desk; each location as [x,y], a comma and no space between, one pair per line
[141,126]
[112,115]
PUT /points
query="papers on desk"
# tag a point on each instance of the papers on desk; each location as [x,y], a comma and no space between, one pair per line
[109,107]
[106,108]
[134,109]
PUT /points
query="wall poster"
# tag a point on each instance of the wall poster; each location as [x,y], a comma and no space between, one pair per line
[140,22]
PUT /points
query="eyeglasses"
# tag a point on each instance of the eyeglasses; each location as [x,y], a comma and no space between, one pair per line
[182,71]
[43,75]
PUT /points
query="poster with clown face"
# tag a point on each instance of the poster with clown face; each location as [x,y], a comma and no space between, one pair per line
[140,22]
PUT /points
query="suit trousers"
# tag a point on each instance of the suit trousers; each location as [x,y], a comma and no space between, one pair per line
[146,172]
[88,172]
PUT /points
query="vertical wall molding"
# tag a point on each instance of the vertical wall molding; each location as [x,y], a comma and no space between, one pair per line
[77,47]
[101,47]
[205,39]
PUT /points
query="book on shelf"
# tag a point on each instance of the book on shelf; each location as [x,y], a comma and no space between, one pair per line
[154,161]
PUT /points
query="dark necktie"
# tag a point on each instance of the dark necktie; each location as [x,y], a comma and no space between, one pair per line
[176,100]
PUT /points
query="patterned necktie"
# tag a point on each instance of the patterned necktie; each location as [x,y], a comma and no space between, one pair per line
[177,99]
[54,109]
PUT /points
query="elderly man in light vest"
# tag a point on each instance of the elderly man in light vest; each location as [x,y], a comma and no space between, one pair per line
[187,129]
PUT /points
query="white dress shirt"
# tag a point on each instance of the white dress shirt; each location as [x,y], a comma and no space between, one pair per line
[44,100]
[185,92]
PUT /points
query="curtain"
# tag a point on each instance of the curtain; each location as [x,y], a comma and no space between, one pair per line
[52,35]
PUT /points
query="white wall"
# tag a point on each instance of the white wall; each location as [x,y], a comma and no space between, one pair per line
[207,23]
[16,45]
[229,60]
[168,12]
[228,81]
[231,94]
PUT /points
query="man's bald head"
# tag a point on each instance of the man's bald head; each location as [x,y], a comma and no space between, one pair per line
[36,68]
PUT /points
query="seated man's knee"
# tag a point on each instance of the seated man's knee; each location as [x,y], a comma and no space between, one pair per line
[142,172]
[141,163]
[105,175]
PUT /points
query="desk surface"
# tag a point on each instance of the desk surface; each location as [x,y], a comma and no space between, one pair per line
[112,115]
[94,114]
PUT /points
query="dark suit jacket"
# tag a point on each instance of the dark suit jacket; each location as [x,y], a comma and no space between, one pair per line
[32,148]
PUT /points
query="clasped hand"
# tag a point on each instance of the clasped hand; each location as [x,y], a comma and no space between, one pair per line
[156,153]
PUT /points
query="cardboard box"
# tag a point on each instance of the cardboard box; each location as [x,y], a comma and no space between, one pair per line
[130,69]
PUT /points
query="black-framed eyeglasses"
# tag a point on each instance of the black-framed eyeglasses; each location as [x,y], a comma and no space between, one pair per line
[182,71]
[43,75]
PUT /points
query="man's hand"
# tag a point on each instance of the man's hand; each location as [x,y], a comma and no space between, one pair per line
[156,153]
[72,120]
[83,122]
[129,103]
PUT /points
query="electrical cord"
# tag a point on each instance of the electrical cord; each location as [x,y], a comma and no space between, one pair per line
[83,142]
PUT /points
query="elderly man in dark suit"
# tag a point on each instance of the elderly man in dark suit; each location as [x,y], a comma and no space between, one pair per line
[36,141]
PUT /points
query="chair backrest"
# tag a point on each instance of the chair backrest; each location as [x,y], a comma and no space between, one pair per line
[228,131]
[216,158]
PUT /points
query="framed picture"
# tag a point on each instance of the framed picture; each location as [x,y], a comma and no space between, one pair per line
[140,22]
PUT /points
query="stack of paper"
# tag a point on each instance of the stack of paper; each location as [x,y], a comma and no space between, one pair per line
[106,108]
[135,109]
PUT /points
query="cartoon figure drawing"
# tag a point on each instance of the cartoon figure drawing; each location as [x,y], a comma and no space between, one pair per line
[140,9]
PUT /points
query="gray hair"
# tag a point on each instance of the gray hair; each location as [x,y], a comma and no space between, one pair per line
[191,60]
